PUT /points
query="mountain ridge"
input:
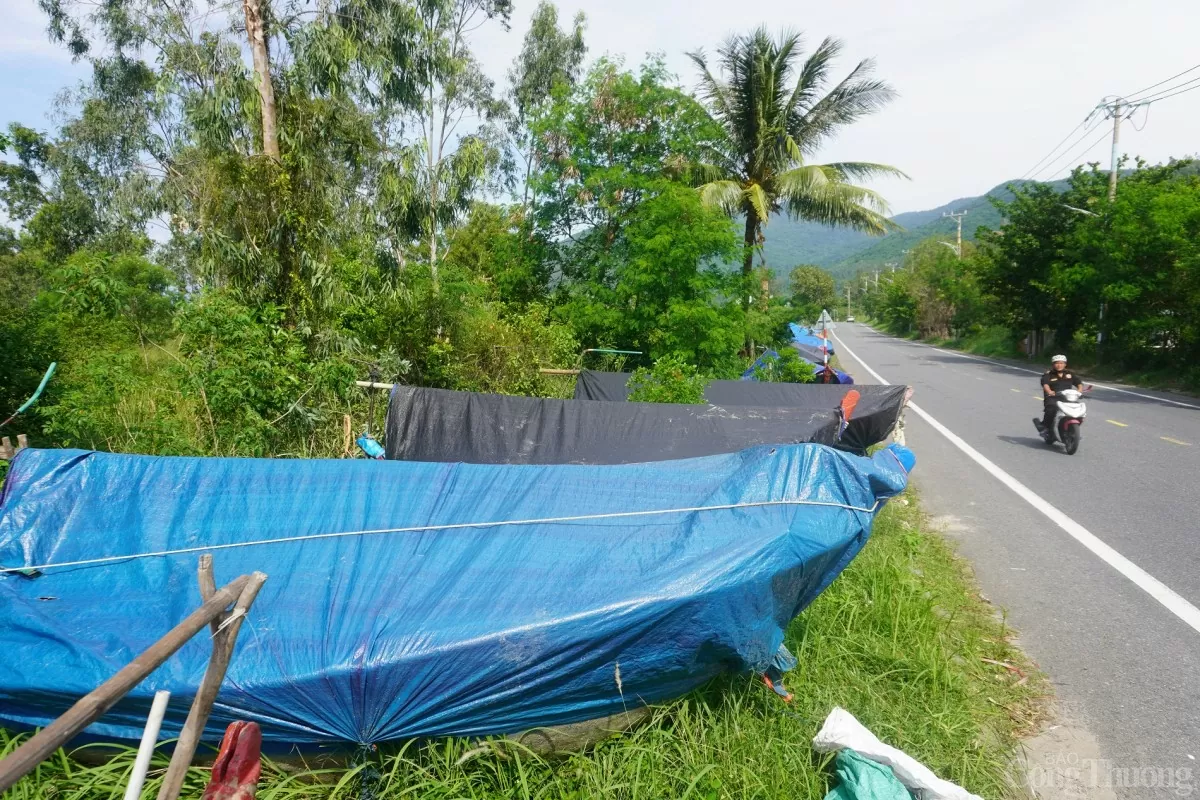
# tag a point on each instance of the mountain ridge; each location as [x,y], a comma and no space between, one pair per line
[844,252]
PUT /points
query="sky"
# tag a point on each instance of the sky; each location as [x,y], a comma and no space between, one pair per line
[987,89]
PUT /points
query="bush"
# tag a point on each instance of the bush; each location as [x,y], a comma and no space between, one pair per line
[494,348]
[786,366]
[260,389]
[670,380]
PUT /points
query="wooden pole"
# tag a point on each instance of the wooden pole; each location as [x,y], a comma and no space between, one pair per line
[222,652]
[208,587]
[7,451]
[93,705]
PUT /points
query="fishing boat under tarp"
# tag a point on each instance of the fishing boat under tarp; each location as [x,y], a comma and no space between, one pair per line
[442,425]
[415,599]
[810,344]
[874,416]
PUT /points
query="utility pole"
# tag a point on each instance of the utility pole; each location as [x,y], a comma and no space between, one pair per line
[957,217]
[1117,109]
[847,302]
[1112,172]
[877,280]
[1116,137]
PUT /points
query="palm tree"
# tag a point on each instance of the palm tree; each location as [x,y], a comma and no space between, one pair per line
[772,117]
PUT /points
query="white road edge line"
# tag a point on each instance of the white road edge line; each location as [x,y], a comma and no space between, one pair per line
[1035,372]
[1152,586]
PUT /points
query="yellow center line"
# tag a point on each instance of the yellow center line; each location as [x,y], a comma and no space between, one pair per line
[1175,441]
[1018,391]
[1118,424]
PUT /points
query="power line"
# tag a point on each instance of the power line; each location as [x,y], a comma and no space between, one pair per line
[1072,162]
[1185,91]
[1082,122]
[1112,107]
[1145,120]
[1071,146]
[1160,83]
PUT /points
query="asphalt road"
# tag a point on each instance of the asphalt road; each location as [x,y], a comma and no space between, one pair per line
[1124,664]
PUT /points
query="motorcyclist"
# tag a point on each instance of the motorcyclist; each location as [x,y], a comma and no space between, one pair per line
[1055,380]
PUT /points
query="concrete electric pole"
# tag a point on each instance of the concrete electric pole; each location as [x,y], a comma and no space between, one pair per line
[1117,109]
[1112,172]
[957,217]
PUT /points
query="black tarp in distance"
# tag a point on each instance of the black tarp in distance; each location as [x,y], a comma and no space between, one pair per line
[871,421]
[442,425]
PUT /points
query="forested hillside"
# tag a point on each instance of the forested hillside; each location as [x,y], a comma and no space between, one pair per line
[846,252]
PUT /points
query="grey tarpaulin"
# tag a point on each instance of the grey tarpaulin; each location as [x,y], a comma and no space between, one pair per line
[871,422]
[442,425]
[807,351]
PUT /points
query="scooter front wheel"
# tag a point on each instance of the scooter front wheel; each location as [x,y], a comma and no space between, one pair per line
[1070,437]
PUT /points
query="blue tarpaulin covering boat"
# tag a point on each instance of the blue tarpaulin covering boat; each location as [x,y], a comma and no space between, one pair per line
[411,599]
[807,339]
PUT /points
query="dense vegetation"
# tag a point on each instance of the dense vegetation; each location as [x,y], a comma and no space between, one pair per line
[1116,281]
[221,236]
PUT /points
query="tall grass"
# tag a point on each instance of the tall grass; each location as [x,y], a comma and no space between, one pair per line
[902,640]
[995,341]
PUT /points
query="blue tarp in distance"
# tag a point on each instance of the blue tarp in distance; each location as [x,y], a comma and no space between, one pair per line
[808,340]
[371,637]
[836,376]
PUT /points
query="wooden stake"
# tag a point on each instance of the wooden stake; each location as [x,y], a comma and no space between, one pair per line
[223,642]
[93,705]
[208,587]
[7,451]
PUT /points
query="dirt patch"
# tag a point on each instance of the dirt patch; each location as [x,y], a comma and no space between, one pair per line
[1064,762]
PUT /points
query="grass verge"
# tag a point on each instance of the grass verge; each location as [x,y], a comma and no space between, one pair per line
[999,342]
[902,640]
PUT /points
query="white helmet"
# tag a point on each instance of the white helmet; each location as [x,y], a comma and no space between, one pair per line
[1057,358]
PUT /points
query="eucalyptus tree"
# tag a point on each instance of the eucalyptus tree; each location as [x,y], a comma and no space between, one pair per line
[549,62]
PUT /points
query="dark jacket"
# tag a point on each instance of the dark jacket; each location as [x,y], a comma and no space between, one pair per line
[1058,381]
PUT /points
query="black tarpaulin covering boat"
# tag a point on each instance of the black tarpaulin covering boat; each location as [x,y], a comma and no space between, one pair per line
[871,421]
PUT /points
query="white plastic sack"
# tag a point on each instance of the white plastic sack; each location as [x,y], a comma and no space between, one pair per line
[842,731]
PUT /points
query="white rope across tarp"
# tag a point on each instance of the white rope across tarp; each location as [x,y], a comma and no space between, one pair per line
[423,528]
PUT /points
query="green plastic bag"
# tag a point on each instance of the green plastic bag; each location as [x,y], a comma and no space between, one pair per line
[861,778]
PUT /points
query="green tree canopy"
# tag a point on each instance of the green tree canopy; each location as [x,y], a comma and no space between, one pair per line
[812,290]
